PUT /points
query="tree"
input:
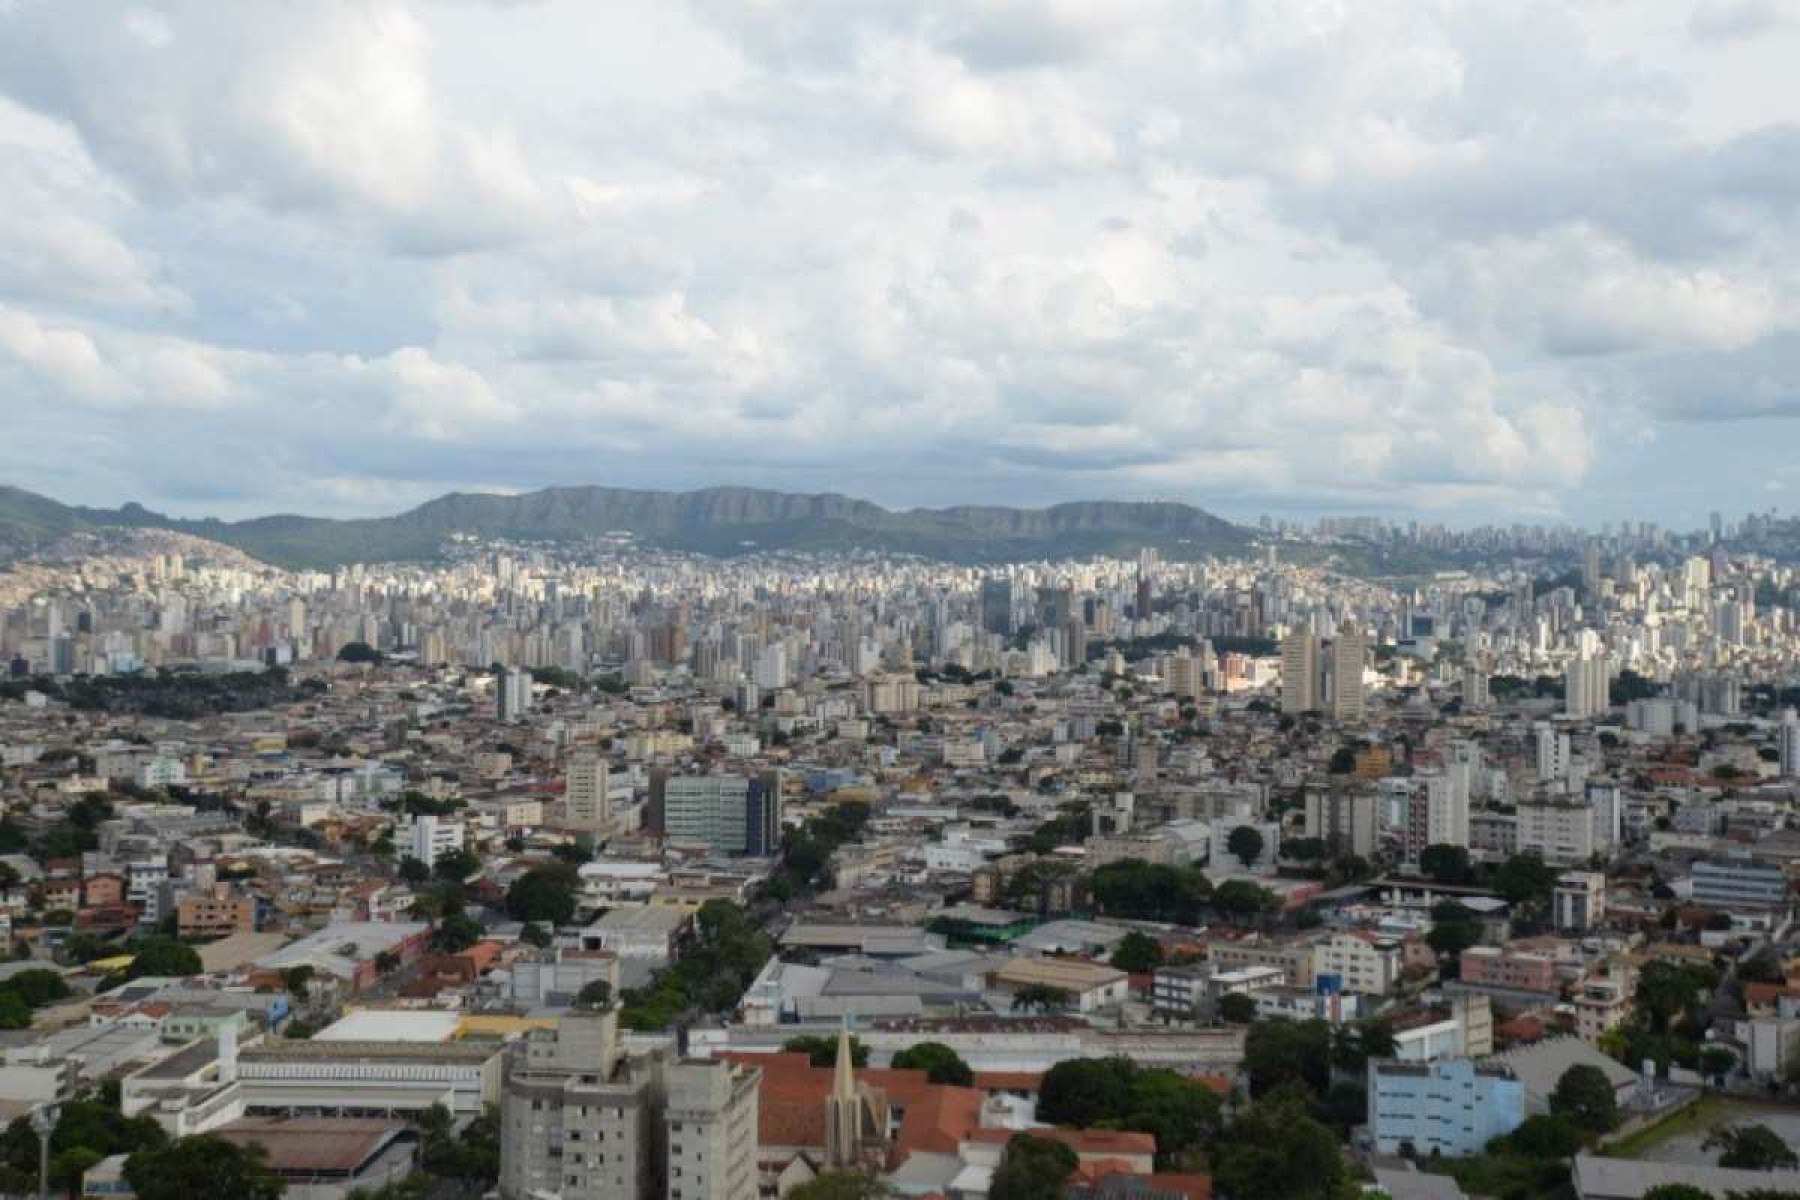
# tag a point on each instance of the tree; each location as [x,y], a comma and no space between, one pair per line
[413,870]
[534,934]
[1246,844]
[1276,1151]
[37,986]
[158,956]
[1678,1191]
[1454,928]
[1241,898]
[1085,1091]
[360,652]
[1525,879]
[455,934]
[597,994]
[386,961]
[1546,1136]
[454,866]
[1716,1062]
[202,1166]
[821,1050]
[1751,1148]
[1042,997]
[545,894]
[841,1185]
[1181,1113]
[468,1160]
[1666,990]
[1446,863]
[1237,1008]
[295,979]
[940,1063]
[1586,1098]
[1033,1169]
[1288,1052]
[1137,953]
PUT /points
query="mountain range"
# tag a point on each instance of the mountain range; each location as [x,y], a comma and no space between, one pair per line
[718,521]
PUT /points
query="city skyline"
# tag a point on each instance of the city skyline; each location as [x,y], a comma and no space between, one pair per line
[1463,264]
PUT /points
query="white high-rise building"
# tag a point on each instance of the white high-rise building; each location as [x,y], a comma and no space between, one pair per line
[1586,681]
[1552,754]
[1790,743]
[428,837]
[1475,695]
[514,695]
[772,667]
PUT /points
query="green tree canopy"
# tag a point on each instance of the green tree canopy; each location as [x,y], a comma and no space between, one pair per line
[1446,864]
[1751,1148]
[157,956]
[821,1050]
[1585,1097]
[201,1166]
[1033,1169]
[546,894]
[1137,953]
[940,1063]
[1246,844]
[1277,1151]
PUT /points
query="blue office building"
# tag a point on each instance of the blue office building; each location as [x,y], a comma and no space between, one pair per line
[1452,1107]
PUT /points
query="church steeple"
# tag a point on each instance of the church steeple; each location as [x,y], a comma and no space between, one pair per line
[843,1109]
[843,1079]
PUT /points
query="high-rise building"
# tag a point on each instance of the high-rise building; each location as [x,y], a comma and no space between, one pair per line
[997,606]
[731,814]
[1790,743]
[1475,694]
[1552,753]
[711,1122]
[1349,651]
[1300,672]
[580,1120]
[1586,681]
[514,694]
[428,837]
[1055,605]
[1346,821]
[586,800]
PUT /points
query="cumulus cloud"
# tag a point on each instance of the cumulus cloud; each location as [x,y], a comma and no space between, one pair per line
[1429,255]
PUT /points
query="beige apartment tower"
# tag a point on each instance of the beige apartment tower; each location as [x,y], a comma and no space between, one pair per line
[1349,651]
[587,805]
[1300,672]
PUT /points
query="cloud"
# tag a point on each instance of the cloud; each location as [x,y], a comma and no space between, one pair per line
[1469,258]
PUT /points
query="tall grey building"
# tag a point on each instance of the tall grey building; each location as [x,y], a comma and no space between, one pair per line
[579,1120]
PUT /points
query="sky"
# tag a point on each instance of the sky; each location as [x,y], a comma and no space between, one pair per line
[1445,261]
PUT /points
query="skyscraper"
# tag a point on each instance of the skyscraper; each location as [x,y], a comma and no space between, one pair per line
[514,694]
[997,606]
[1349,651]
[1300,672]
[1586,681]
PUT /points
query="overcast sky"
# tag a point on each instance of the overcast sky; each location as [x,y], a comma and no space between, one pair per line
[1460,261]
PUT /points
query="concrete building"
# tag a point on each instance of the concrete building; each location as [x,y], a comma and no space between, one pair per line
[1300,672]
[1579,901]
[1740,882]
[1453,1107]
[1346,821]
[578,1119]
[730,814]
[427,837]
[1349,652]
[711,1122]
[587,800]
[219,911]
